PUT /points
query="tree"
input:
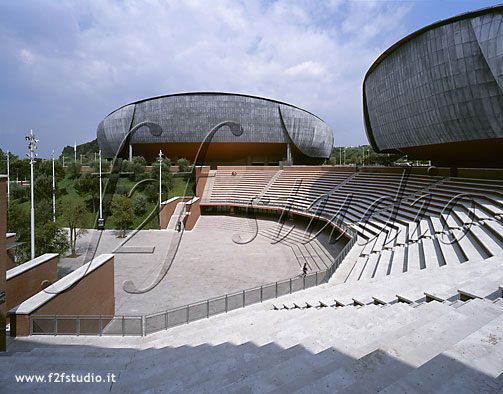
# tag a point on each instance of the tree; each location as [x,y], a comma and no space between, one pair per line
[20,169]
[183,165]
[45,167]
[167,176]
[3,161]
[76,217]
[18,192]
[49,237]
[140,204]
[122,212]
[74,169]
[43,186]
[87,186]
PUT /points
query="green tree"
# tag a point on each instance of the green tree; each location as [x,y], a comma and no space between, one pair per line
[45,167]
[49,237]
[105,165]
[88,186]
[167,176]
[3,161]
[74,169]
[122,212]
[18,192]
[43,186]
[140,204]
[76,217]
[20,169]
[183,165]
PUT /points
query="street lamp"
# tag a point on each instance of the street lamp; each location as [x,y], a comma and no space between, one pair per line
[101,197]
[53,191]
[8,182]
[344,155]
[160,190]
[31,154]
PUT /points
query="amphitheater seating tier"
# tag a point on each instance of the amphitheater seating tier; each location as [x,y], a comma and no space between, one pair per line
[411,216]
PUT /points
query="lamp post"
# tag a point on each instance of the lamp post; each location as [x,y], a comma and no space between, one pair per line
[340,156]
[160,185]
[31,154]
[101,197]
[53,191]
[75,152]
[344,155]
[8,182]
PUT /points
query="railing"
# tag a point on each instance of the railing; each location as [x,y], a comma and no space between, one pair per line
[144,325]
[86,325]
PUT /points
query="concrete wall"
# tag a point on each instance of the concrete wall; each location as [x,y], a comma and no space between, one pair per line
[11,253]
[195,213]
[3,260]
[201,177]
[28,282]
[168,208]
[92,293]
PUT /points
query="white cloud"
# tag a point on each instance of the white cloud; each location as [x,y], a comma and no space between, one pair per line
[308,53]
[26,56]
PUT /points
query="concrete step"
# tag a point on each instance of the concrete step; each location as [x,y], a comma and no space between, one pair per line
[397,263]
[383,264]
[415,348]
[471,365]
[293,373]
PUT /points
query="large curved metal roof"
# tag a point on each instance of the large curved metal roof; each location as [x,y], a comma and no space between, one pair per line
[187,117]
[214,93]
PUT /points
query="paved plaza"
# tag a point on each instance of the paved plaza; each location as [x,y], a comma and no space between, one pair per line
[208,264]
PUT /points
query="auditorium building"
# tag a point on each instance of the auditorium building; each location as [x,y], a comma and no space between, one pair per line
[437,94]
[177,124]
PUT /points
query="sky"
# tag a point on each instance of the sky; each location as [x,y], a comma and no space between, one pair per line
[65,65]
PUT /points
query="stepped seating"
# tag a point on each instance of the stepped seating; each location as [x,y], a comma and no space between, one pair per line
[420,236]
[240,188]
[440,238]
[390,346]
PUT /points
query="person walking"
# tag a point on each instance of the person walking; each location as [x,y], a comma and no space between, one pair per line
[304,269]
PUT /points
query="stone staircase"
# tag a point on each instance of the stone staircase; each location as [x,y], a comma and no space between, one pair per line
[393,348]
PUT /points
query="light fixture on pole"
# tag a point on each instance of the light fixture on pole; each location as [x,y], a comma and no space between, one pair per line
[31,154]
[160,185]
[101,222]
[8,181]
[53,191]
[75,152]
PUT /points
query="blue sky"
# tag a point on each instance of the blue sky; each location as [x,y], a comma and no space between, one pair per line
[64,65]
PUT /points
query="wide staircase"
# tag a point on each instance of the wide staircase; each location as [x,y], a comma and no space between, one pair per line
[420,345]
